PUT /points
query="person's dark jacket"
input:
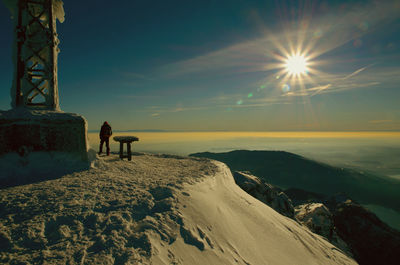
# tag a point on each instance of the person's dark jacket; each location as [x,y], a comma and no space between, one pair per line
[105,131]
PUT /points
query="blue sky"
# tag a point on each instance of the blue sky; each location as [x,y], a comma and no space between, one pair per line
[217,65]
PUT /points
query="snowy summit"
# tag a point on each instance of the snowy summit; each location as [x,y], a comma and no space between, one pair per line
[156,209]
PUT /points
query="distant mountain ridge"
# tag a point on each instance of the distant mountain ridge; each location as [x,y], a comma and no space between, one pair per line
[288,170]
[144,130]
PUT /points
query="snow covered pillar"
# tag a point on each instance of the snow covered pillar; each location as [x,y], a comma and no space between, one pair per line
[35,124]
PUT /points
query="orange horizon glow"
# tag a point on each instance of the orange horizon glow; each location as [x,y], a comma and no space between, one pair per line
[208,136]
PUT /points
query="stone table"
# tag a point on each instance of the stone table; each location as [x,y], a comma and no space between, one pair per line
[128,140]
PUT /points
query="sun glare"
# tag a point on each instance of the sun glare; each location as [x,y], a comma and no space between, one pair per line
[296,65]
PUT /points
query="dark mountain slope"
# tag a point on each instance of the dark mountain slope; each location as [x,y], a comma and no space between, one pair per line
[288,170]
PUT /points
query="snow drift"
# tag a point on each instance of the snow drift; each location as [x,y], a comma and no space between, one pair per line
[156,209]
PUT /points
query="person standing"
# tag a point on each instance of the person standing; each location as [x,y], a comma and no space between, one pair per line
[105,133]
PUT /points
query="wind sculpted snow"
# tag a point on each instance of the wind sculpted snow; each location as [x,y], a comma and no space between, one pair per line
[156,209]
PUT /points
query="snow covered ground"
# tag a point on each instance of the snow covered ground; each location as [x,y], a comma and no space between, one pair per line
[158,209]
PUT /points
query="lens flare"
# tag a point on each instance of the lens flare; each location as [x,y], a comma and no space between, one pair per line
[296,65]
[285,88]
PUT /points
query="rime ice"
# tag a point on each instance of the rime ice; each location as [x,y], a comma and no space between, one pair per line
[36,123]
[35,53]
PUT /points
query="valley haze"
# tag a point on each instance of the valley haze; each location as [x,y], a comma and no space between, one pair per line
[374,153]
[269,132]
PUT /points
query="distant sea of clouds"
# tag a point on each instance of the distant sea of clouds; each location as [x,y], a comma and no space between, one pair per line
[377,153]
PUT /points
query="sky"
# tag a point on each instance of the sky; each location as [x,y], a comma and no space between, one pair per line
[222,65]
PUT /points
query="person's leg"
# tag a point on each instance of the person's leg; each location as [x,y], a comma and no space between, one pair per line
[108,146]
[101,146]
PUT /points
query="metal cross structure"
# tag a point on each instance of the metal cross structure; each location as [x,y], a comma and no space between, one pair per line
[35,124]
[36,85]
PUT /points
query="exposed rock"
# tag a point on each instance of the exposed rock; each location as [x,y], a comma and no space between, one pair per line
[316,216]
[319,220]
[371,240]
[270,195]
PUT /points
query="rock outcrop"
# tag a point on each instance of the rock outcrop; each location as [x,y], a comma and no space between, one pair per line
[371,240]
[267,193]
[318,218]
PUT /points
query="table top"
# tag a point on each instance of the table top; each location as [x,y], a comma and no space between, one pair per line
[125,139]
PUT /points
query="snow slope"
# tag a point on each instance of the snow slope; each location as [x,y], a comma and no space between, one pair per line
[156,209]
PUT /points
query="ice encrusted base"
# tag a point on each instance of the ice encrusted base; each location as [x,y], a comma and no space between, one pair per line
[24,131]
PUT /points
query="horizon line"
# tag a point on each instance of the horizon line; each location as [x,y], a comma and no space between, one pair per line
[258,131]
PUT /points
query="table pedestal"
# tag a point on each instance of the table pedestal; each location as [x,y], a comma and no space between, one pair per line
[121,151]
[128,141]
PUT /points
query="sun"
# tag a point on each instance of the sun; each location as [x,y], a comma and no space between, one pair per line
[296,65]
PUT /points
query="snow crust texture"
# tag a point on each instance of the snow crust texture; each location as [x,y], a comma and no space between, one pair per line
[155,209]
[100,216]
[236,228]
